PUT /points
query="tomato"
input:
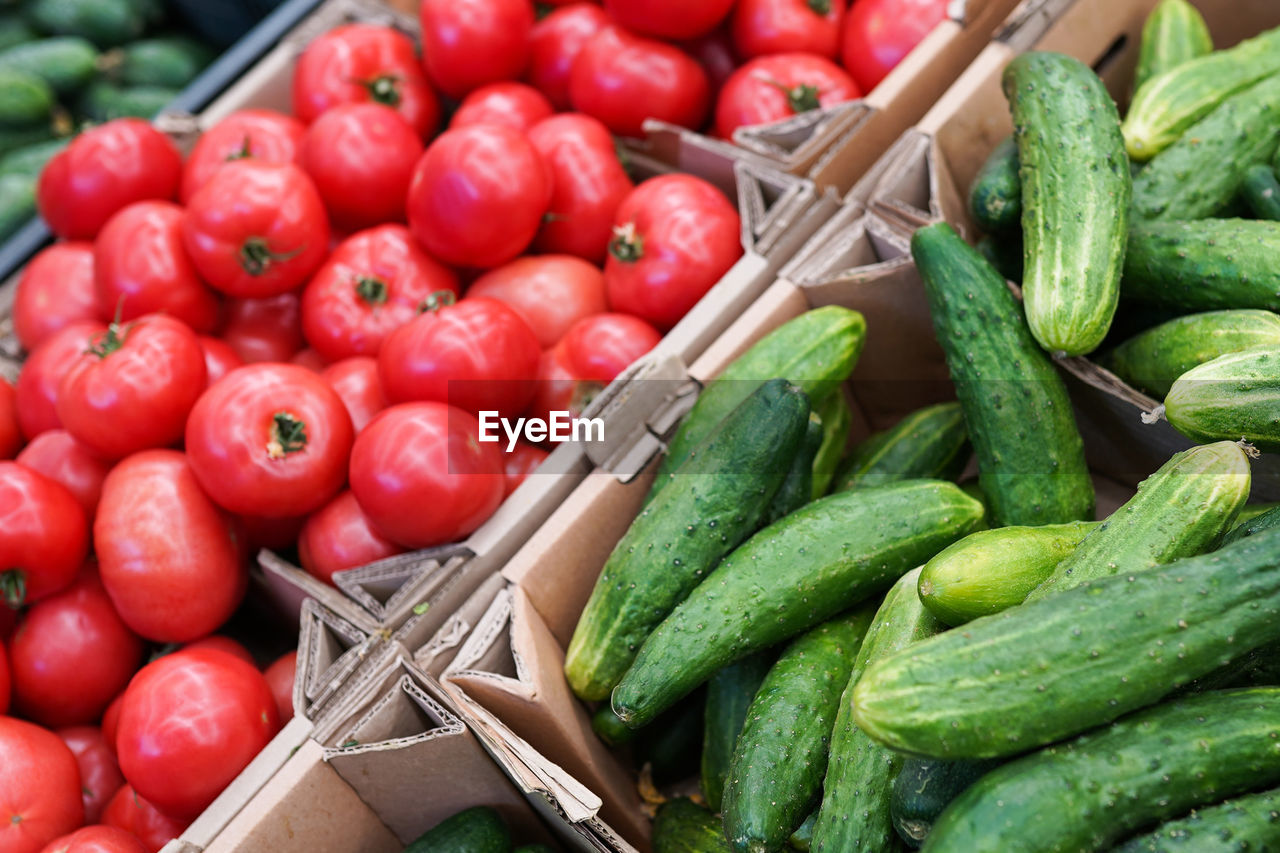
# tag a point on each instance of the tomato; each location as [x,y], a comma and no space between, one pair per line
[270,440]
[165,553]
[622,79]
[133,387]
[100,775]
[10,428]
[339,536]
[140,267]
[256,229]
[361,157]
[59,456]
[258,134]
[267,329]
[878,34]
[601,347]
[55,289]
[220,358]
[676,235]
[549,292]
[514,105]
[310,359]
[773,88]
[42,373]
[764,27]
[104,169]
[478,196]
[223,644]
[362,63]
[468,43]
[97,839]
[418,455]
[714,53]
[5,679]
[110,721]
[477,355]
[43,535]
[280,676]
[557,386]
[135,815]
[39,788]
[356,381]
[669,19]
[373,283]
[555,43]
[276,534]
[519,464]
[588,184]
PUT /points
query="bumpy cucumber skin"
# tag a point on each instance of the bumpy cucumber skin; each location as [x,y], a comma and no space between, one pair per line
[172,62]
[1250,822]
[802,838]
[825,558]
[1030,456]
[609,727]
[1253,525]
[683,826]
[717,501]
[17,202]
[855,801]
[30,160]
[781,755]
[1204,265]
[1076,191]
[729,695]
[923,788]
[1233,397]
[1261,191]
[13,30]
[106,23]
[929,443]
[25,99]
[476,830]
[104,101]
[1093,791]
[1052,668]
[992,570]
[66,63]
[1174,33]
[797,486]
[836,418]
[995,199]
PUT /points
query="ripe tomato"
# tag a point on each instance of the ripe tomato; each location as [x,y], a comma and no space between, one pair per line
[140,267]
[764,27]
[623,79]
[43,535]
[258,134]
[55,289]
[588,183]
[166,554]
[549,292]
[42,373]
[878,34]
[101,171]
[60,457]
[601,347]
[669,19]
[478,196]
[10,429]
[266,329]
[419,455]
[135,815]
[223,644]
[373,283]
[361,63]
[220,358]
[39,788]
[5,690]
[356,381]
[555,43]
[280,676]
[714,53]
[310,359]
[100,775]
[468,43]
[339,536]
[508,103]
[361,157]
[519,464]
[97,839]
[675,236]
[773,88]
[256,229]
[558,389]
[110,720]
[270,440]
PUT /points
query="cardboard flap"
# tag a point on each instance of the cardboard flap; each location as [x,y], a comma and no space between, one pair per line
[329,649]
[652,389]
[798,142]
[289,585]
[442,649]
[383,587]
[667,147]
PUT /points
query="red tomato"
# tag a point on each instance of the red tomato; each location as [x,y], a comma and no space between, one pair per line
[468,43]
[361,63]
[310,359]
[669,19]
[110,721]
[588,183]
[374,282]
[135,815]
[519,464]
[270,440]
[258,134]
[508,103]
[557,385]
[878,34]
[425,455]
[101,171]
[97,839]
[601,347]
[280,676]
[10,428]
[267,329]
[675,236]
[256,229]
[140,267]
[478,196]
[220,358]
[5,690]
[763,27]
[356,381]
[773,88]
[555,43]
[714,53]
[166,554]
[222,644]
[132,389]
[42,373]
[43,535]
[8,621]
[39,788]
[361,157]
[100,775]
[339,536]
[55,290]
[623,79]
[549,292]
[60,457]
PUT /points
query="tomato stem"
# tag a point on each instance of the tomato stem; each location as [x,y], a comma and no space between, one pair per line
[820,7]
[626,245]
[371,289]
[437,300]
[112,339]
[13,587]
[288,435]
[800,98]
[256,257]
[241,153]
[384,89]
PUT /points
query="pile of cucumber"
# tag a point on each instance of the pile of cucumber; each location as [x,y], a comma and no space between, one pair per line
[479,829]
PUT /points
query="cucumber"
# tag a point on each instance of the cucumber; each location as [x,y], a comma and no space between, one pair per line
[797,486]
[729,695]
[1261,191]
[1249,512]
[1004,253]
[479,829]
[781,756]
[609,727]
[683,826]
[929,443]
[824,558]
[836,418]
[103,101]
[802,838]
[1102,786]
[534,848]
[106,23]
[17,202]
[15,139]
[169,61]
[1174,33]
[30,160]
[1052,668]
[1253,526]
[854,814]
[1075,197]
[670,747]
[1250,822]
[995,199]
[66,63]
[923,788]
[1233,397]
[1030,457]
[1204,265]
[992,570]
[14,30]
[25,99]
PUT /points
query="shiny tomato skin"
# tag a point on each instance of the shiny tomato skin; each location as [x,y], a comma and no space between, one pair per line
[220,358]
[478,196]
[764,27]
[166,553]
[100,775]
[270,440]
[110,721]
[97,839]
[356,381]
[362,63]
[256,229]
[55,289]
[222,643]
[104,169]
[266,329]
[601,347]
[310,359]
[773,88]
[557,385]
[59,456]
[519,464]
[338,536]
[254,133]
[280,676]
[555,43]
[42,373]
[515,105]
[468,43]
[878,34]
[44,536]
[669,19]
[39,788]
[373,283]
[10,428]
[425,454]
[133,814]
[549,292]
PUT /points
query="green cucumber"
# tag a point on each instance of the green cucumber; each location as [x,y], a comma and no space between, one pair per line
[106,23]
[1253,525]
[103,101]
[1052,668]
[609,727]
[855,800]
[1249,512]
[995,198]
[683,826]
[1261,191]
[1075,198]
[992,570]
[729,695]
[17,202]
[1204,265]
[1234,397]
[30,160]
[1030,457]
[16,139]
[25,99]
[929,443]
[781,756]
[479,829]
[170,61]
[802,838]
[14,30]
[534,848]
[1251,822]
[66,63]
[1003,253]
[924,788]
[670,747]
[1091,792]
[797,486]
[836,418]
[1174,33]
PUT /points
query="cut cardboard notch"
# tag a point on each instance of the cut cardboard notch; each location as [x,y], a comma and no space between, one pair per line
[330,648]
